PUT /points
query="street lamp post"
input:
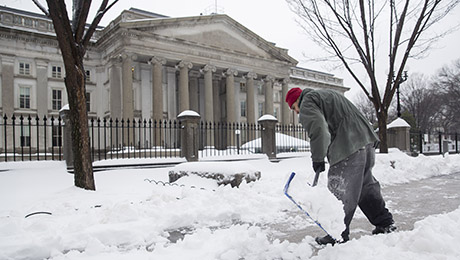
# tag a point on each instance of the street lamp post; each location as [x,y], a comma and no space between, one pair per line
[403,78]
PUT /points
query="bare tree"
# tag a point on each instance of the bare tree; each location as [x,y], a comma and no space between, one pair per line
[366,107]
[421,100]
[447,83]
[73,37]
[351,31]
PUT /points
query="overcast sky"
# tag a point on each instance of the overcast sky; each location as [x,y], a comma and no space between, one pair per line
[275,22]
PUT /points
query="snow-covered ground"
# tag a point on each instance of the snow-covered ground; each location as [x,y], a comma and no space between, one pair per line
[131,217]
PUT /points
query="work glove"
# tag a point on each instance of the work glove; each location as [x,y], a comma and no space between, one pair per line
[319,166]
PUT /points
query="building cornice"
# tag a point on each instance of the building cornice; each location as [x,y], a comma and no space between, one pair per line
[156,23]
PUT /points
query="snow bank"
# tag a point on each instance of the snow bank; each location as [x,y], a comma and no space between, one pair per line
[128,217]
[435,237]
[397,167]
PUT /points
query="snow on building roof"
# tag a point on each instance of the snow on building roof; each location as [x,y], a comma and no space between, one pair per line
[399,122]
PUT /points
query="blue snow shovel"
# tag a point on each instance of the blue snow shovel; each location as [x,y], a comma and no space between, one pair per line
[286,188]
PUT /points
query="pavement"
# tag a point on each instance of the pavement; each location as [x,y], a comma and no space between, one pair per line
[409,203]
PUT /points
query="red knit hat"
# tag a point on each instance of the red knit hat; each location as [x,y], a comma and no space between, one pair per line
[292,96]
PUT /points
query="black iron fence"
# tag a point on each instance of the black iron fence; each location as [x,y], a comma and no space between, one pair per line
[26,138]
[433,143]
[31,138]
[116,139]
[227,139]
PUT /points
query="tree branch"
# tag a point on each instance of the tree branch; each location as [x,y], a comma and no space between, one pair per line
[100,13]
[41,7]
[58,13]
[79,18]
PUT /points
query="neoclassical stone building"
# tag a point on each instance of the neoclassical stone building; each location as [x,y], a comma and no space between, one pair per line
[145,65]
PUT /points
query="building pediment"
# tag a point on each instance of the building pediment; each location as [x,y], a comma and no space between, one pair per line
[212,31]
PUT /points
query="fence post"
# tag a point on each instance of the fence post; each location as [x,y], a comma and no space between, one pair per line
[67,148]
[268,123]
[421,141]
[440,142]
[456,142]
[189,134]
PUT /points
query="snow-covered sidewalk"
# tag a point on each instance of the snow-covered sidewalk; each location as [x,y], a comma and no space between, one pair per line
[131,218]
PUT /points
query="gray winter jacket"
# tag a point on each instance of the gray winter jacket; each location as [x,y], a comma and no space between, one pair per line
[335,126]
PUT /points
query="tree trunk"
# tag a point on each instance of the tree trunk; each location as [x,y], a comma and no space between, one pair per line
[382,121]
[83,168]
[73,38]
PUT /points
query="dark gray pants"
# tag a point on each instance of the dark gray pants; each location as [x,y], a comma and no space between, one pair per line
[352,182]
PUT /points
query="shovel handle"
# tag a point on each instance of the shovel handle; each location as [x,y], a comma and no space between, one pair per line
[315,181]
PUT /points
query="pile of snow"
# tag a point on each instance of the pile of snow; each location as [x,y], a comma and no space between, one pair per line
[435,237]
[283,143]
[397,167]
[130,217]
[313,199]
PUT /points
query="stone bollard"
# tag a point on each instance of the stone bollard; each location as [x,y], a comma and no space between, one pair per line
[189,134]
[399,135]
[64,113]
[268,123]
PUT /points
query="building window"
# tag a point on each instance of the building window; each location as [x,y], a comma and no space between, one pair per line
[242,87]
[261,109]
[50,26]
[260,90]
[24,97]
[276,112]
[57,136]
[25,136]
[24,68]
[243,108]
[57,72]
[88,101]
[28,22]
[277,96]
[17,20]
[57,99]
[88,76]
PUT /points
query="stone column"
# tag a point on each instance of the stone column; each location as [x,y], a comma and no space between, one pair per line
[208,103]
[284,106]
[157,87]
[216,80]
[219,103]
[184,102]
[102,98]
[194,91]
[8,86]
[230,86]
[157,97]
[127,87]
[127,98]
[115,88]
[268,85]
[7,71]
[42,87]
[42,97]
[172,92]
[208,95]
[250,98]
[115,103]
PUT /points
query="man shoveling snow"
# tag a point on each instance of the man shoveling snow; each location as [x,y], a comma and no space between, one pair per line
[339,131]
